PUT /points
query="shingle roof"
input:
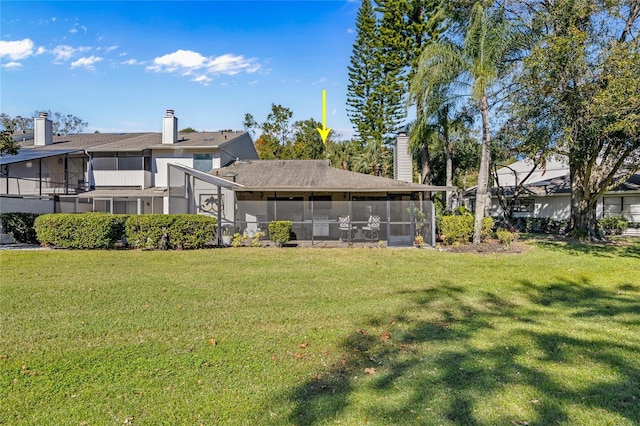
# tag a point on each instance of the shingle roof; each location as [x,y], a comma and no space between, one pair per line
[310,175]
[93,142]
[561,185]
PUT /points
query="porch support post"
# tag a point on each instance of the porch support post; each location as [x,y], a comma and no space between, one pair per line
[313,227]
[388,217]
[40,176]
[139,206]
[219,218]
[412,217]
[350,219]
[66,174]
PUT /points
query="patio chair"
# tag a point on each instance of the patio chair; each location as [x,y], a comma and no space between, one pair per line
[372,228]
[345,227]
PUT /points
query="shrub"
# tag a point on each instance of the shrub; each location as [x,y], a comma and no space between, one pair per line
[614,225]
[505,237]
[238,240]
[255,241]
[80,231]
[191,231]
[280,232]
[165,231]
[487,228]
[459,229]
[456,229]
[149,231]
[20,225]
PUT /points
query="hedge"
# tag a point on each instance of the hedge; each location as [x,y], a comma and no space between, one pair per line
[280,232]
[459,229]
[20,225]
[80,231]
[103,230]
[170,231]
[614,225]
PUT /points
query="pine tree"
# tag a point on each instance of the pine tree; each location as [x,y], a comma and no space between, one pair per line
[363,97]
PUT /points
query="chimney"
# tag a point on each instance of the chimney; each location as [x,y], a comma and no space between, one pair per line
[402,159]
[169,128]
[42,130]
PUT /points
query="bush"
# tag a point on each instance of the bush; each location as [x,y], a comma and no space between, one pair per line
[459,229]
[487,228]
[80,231]
[505,237]
[614,225]
[20,225]
[280,232]
[170,231]
[456,229]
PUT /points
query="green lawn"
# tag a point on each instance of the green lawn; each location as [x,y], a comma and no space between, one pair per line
[255,336]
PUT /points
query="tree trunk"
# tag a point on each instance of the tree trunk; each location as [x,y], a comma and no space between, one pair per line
[449,164]
[582,223]
[483,174]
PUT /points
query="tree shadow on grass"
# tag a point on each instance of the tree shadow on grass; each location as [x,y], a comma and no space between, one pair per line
[439,360]
[629,247]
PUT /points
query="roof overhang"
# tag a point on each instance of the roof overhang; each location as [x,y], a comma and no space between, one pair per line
[29,154]
[206,177]
[412,188]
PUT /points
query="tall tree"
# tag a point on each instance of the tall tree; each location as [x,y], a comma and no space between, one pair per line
[307,143]
[578,93]
[406,28]
[7,145]
[365,102]
[447,67]
[276,130]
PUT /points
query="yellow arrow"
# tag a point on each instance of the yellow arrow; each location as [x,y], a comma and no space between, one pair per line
[324,132]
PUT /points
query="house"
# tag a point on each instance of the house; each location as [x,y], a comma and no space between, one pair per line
[218,174]
[547,192]
[315,196]
[110,172]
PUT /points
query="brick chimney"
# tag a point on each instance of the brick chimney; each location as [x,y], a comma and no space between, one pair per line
[42,130]
[169,128]
[402,159]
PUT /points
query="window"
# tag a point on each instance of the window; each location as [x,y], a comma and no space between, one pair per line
[612,206]
[203,162]
[525,205]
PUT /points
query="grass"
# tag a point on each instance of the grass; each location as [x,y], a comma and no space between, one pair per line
[321,336]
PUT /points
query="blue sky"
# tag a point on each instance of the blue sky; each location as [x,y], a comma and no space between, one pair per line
[121,65]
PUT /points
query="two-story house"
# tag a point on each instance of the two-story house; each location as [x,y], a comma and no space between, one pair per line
[114,172]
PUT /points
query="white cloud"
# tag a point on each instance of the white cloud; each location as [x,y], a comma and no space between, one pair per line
[63,52]
[110,48]
[86,62]
[322,80]
[188,63]
[253,82]
[232,64]
[12,65]
[350,31]
[40,51]
[178,60]
[16,50]
[132,62]
[334,112]
[53,19]
[203,79]
[73,30]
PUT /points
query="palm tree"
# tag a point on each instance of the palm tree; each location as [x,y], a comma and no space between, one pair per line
[448,71]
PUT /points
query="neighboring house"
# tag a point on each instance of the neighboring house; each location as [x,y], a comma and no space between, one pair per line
[548,192]
[115,172]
